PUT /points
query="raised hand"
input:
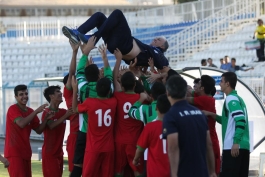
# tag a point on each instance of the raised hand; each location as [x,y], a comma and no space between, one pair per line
[153,77]
[90,61]
[118,54]
[90,45]
[74,83]
[103,51]
[74,46]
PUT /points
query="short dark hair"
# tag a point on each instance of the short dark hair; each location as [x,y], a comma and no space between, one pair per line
[170,73]
[221,59]
[92,73]
[163,105]
[203,61]
[166,45]
[210,59]
[196,81]
[19,88]
[128,81]
[233,59]
[260,20]
[103,87]
[176,87]
[157,89]
[50,91]
[208,83]
[65,79]
[231,78]
[139,88]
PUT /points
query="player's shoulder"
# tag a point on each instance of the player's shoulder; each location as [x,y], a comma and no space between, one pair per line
[13,107]
[231,97]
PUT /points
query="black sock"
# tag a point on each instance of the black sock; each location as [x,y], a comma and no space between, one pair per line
[77,172]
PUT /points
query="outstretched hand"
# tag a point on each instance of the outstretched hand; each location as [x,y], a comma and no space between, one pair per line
[153,77]
[118,54]
[90,45]
[103,51]
[74,46]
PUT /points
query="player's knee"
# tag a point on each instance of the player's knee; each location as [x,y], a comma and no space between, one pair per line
[117,11]
[99,14]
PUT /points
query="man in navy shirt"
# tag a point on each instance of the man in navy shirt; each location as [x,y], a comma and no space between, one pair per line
[185,128]
[116,33]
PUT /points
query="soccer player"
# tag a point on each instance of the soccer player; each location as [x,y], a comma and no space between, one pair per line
[147,113]
[74,119]
[127,129]
[4,161]
[52,151]
[151,138]
[205,101]
[235,130]
[87,77]
[188,139]
[99,154]
[20,120]
[116,33]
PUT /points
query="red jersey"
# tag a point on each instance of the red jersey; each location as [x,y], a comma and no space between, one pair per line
[74,119]
[127,129]
[53,138]
[151,138]
[100,123]
[207,103]
[17,142]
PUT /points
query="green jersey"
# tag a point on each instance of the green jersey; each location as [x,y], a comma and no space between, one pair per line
[234,122]
[144,113]
[88,89]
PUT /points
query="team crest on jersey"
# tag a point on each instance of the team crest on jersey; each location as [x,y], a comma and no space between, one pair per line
[234,103]
[165,130]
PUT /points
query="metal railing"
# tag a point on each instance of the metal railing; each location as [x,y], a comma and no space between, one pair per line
[212,29]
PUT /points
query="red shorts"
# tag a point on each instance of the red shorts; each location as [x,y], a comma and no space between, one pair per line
[52,167]
[70,148]
[124,154]
[19,167]
[98,164]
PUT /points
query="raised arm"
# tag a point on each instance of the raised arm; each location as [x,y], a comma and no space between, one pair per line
[118,56]
[107,70]
[75,90]
[25,121]
[103,51]
[72,67]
